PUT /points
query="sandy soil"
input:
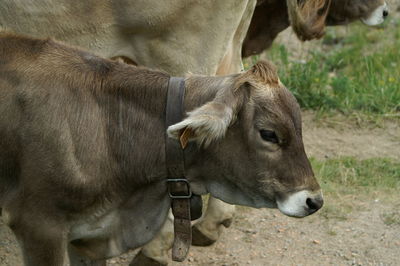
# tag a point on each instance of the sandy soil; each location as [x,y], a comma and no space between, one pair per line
[266,237]
[334,137]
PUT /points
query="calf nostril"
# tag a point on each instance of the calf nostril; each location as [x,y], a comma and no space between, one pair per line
[385,13]
[314,204]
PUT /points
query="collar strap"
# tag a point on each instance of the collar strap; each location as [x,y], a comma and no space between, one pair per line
[178,186]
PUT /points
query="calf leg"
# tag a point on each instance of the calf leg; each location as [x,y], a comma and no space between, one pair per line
[209,228]
[155,253]
[75,259]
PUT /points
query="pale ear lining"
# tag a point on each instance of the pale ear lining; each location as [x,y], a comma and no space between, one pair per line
[208,123]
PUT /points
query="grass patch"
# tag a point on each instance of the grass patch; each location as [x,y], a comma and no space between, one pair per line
[335,211]
[348,174]
[347,180]
[392,218]
[332,232]
[358,72]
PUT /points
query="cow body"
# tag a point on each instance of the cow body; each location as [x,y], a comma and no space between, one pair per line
[176,36]
[83,153]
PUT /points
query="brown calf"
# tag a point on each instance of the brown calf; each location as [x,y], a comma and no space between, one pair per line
[82,143]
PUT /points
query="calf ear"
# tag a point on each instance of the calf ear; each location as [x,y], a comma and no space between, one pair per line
[204,125]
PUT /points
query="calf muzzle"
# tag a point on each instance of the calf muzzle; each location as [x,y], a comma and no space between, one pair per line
[301,203]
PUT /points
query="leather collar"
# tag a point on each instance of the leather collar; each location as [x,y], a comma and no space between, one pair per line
[185,205]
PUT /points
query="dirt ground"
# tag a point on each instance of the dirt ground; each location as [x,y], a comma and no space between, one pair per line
[267,237]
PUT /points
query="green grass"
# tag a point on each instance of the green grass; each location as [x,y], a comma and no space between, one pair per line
[335,211]
[347,174]
[347,180]
[358,72]
[392,218]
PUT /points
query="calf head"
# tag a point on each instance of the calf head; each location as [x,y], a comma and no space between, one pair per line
[250,149]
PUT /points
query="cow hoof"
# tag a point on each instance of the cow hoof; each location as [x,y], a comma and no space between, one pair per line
[199,239]
[227,223]
[142,260]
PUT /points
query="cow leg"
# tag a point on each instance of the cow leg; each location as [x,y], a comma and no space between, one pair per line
[219,213]
[209,228]
[75,259]
[42,243]
[155,253]
[205,232]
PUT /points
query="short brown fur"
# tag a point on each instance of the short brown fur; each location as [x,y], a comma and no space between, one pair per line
[263,71]
[83,147]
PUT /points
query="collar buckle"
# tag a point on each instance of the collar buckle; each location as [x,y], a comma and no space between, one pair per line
[179,188]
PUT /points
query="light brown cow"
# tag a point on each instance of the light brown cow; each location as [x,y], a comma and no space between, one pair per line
[272,17]
[177,36]
[83,151]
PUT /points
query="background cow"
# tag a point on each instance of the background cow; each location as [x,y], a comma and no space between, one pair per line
[272,17]
[83,148]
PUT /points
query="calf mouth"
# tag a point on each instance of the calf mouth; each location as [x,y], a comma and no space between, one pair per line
[301,204]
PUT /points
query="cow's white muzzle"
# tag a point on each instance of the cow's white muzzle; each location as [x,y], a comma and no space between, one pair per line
[377,16]
[300,204]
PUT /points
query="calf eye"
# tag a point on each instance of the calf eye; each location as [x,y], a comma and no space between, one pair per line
[269,135]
